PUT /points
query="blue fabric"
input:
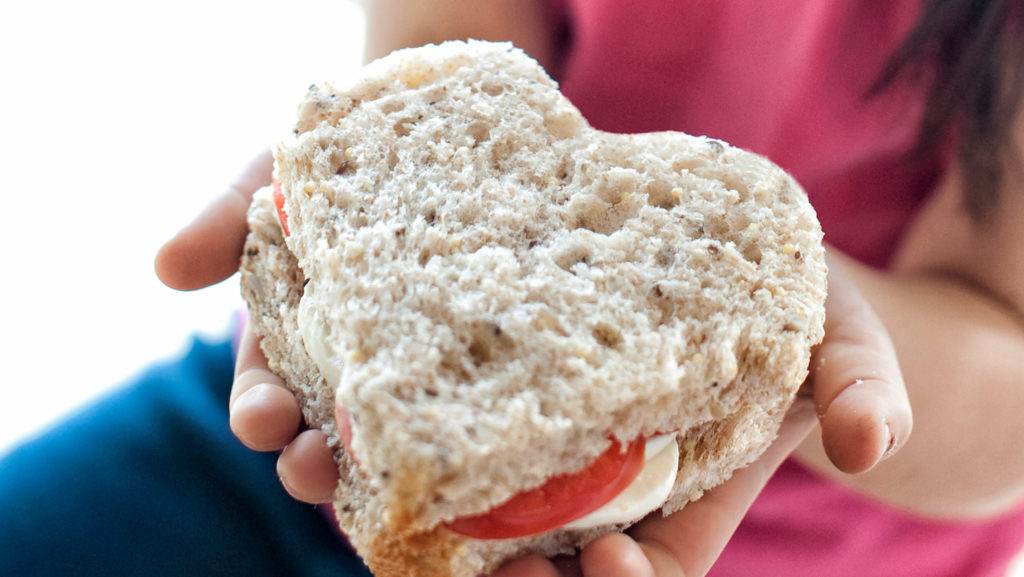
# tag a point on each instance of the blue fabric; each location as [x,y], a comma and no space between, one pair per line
[150,481]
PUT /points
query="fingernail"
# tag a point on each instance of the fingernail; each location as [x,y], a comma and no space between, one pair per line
[890,447]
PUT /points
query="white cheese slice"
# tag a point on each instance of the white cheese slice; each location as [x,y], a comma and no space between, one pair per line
[312,327]
[647,492]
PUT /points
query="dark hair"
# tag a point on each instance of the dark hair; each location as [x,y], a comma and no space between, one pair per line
[971,52]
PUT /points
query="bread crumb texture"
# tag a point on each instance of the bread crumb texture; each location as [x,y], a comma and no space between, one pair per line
[500,287]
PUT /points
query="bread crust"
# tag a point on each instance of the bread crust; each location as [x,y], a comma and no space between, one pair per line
[491,275]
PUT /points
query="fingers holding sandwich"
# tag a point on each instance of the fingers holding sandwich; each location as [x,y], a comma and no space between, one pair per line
[688,542]
[207,250]
[859,399]
[306,468]
[265,416]
[858,389]
[532,566]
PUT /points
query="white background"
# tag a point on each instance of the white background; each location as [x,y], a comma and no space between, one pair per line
[118,122]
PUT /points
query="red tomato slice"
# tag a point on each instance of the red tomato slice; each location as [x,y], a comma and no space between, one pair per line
[562,499]
[279,204]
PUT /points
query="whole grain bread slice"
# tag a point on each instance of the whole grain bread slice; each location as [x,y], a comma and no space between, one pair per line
[491,289]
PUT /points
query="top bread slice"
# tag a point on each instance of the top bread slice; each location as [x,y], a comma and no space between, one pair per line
[500,288]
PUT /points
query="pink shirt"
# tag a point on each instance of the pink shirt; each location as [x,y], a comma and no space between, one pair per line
[788,79]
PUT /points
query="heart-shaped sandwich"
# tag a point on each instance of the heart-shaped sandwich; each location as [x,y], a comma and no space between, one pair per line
[520,332]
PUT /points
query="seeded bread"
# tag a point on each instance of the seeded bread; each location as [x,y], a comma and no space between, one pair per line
[498,288]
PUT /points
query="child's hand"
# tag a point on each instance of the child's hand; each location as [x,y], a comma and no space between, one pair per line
[856,392]
[855,389]
[264,415]
[208,250]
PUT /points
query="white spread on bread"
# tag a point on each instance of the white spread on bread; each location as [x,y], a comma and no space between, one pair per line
[646,493]
[312,327]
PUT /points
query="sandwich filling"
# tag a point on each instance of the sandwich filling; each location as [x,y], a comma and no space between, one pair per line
[647,492]
[619,487]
